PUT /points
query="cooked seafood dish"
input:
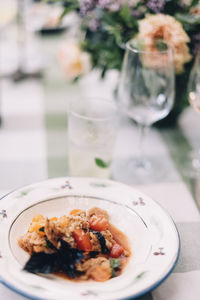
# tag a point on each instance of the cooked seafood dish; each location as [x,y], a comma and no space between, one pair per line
[80,246]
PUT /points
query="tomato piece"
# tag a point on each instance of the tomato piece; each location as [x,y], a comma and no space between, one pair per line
[41,233]
[116,250]
[82,240]
[98,223]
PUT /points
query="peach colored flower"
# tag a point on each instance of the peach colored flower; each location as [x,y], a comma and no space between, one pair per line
[195,10]
[73,60]
[165,27]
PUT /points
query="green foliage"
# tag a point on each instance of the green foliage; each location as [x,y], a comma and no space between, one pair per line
[125,14]
[172,6]
[188,19]
[106,43]
[191,23]
[69,5]
[181,98]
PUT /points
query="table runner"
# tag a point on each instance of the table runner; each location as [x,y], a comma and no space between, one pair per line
[34,147]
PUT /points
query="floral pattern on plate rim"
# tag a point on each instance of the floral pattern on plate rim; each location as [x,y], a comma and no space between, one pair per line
[66,185]
[160,252]
[140,202]
[3,214]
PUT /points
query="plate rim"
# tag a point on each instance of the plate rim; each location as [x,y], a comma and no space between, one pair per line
[138,294]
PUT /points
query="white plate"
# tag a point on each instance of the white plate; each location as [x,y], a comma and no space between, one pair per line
[152,234]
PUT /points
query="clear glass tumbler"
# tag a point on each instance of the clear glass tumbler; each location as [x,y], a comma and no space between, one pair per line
[92,129]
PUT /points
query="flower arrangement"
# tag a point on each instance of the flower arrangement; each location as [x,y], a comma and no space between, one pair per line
[75,62]
[109,24]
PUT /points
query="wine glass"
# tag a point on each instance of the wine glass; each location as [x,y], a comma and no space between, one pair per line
[194,99]
[146,95]
[194,85]
[7,14]
[29,62]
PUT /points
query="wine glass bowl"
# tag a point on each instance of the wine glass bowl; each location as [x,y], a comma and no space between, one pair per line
[146,89]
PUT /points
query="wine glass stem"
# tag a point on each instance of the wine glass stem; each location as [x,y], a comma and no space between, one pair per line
[143,130]
[21,35]
[196,160]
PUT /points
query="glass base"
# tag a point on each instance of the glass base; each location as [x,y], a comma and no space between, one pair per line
[191,166]
[21,75]
[135,171]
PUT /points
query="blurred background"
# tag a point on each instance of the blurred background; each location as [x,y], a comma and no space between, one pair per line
[47,61]
[34,91]
[37,82]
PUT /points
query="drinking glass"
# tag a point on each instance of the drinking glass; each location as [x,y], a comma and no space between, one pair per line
[92,128]
[145,94]
[193,167]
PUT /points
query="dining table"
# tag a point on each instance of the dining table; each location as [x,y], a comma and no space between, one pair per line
[34,147]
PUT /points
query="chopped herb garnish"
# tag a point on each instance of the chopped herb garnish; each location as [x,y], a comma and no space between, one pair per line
[102,241]
[50,245]
[64,259]
[68,257]
[42,263]
[140,275]
[93,254]
[114,264]
[101,163]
